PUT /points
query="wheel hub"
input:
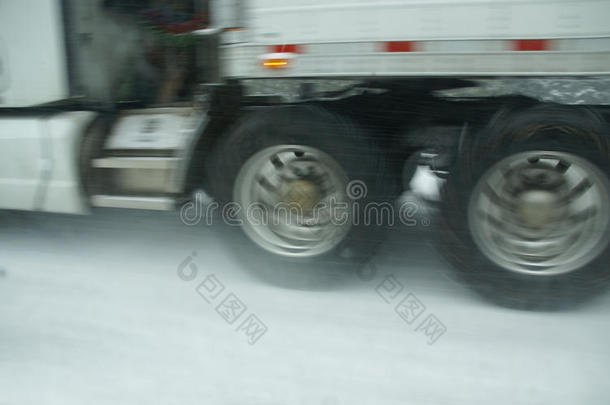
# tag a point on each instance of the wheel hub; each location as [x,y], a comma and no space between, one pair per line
[286,183]
[541,212]
[537,188]
[304,193]
[538,208]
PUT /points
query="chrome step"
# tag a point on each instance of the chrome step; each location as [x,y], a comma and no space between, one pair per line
[133,202]
[139,175]
[159,163]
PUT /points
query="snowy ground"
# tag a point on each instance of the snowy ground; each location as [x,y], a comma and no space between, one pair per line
[92,311]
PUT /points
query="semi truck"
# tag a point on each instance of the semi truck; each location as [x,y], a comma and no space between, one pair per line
[303,120]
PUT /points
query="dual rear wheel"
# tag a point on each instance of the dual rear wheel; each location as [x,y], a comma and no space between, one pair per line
[525,216]
[298,176]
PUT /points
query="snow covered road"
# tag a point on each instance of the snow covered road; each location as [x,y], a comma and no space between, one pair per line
[93,311]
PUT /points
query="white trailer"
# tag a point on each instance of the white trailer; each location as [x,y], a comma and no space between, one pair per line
[415,37]
[312,177]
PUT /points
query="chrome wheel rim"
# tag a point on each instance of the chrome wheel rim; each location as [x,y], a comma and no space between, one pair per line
[292,200]
[541,213]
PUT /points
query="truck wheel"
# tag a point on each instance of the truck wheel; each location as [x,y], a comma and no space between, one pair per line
[299,178]
[527,221]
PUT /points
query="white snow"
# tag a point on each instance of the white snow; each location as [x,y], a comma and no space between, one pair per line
[92,312]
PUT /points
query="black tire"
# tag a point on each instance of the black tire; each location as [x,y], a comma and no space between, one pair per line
[337,136]
[575,130]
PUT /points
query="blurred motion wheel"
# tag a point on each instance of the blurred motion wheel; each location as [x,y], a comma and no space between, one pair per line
[541,213]
[300,177]
[527,222]
[294,199]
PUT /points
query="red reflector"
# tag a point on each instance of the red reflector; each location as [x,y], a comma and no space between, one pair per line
[286,49]
[532,45]
[400,46]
